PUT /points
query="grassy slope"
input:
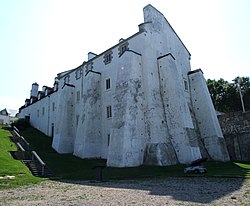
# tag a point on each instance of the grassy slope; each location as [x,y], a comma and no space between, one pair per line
[71,167]
[10,166]
[68,166]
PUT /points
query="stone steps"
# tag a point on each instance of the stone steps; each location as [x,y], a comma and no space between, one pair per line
[36,168]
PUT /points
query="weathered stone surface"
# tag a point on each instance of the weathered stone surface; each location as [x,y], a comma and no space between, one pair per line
[136,103]
[236,130]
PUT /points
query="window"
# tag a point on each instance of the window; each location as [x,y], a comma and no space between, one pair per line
[78,96]
[109,112]
[107,83]
[38,113]
[43,111]
[53,106]
[77,120]
[108,57]
[186,85]
[108,139]
[78,73]
[88,67]
[122,48]
[66,79]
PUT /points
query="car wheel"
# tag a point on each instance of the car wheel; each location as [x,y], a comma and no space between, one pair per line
[196,171]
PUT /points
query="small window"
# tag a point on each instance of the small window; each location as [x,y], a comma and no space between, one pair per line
[38,113]
[109,112]
[53,106]
[78,73]
[186,85]
[88,67]
[122,48]
[78,96]
[108,57]
[107,83]
[66,79]
[77,120]
[108,139]
[43,111]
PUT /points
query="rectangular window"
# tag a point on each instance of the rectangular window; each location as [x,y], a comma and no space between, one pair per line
[77,120]
[43,111]
[186,85]
[107,57]
[78,73]
[78,96]
[38,113]
[88,67]
[109,112]
[107,83]
[123,47]
[53,106]
[66,79]
[108,139]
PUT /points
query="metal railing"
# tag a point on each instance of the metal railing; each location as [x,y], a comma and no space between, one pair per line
[36,156]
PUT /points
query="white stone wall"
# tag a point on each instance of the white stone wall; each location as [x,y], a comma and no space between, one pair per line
[206,117]
[64,134]
[4,119]
[178,117]
[154,117]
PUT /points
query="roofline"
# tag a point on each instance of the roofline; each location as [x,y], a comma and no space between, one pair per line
[97,56]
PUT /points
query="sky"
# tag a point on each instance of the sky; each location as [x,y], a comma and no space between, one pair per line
[41,38]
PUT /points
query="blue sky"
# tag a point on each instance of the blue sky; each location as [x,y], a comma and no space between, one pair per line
[40,38]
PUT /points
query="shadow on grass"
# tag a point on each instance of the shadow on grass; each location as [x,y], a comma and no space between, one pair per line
[169,180]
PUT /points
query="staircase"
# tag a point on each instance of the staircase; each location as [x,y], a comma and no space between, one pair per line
[37,169]
[30,158]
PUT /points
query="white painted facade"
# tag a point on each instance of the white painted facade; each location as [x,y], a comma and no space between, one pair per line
[4,117]
[136,103]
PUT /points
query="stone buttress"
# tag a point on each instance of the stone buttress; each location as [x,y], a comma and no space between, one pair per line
[64,135]
[127,141]
[211,134]
[88,135]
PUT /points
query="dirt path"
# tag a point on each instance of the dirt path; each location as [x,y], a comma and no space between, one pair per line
[170,191]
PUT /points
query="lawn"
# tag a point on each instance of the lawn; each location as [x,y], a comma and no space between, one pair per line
[12,167]
[67,166]
[70,167]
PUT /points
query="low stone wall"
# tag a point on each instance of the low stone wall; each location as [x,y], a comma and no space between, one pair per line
[236,130]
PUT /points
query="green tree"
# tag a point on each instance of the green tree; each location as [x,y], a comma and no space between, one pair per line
[226,96]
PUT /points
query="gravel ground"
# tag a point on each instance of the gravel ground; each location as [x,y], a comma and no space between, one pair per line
[170,191]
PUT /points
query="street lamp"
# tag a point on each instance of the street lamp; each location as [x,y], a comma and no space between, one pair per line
[237,81]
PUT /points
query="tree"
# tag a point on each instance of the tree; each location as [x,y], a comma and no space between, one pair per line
[225,95]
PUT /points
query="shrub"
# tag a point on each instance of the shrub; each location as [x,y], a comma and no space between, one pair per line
[21,124]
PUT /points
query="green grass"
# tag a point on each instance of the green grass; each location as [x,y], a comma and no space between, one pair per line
[70,167]
[67,166]
[228,169]
[12,167]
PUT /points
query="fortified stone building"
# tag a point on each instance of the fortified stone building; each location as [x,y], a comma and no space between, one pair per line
[136,103]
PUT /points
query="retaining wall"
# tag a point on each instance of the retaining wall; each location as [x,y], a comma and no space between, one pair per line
[236,130]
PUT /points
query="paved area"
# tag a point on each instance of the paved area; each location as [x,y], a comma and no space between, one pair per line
[170,191]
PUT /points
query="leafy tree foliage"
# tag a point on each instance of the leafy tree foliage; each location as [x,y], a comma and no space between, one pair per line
[226,96]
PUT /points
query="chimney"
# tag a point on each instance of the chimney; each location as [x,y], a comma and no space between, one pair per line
[34,90]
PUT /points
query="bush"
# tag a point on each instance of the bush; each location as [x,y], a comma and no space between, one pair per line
[21,124]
